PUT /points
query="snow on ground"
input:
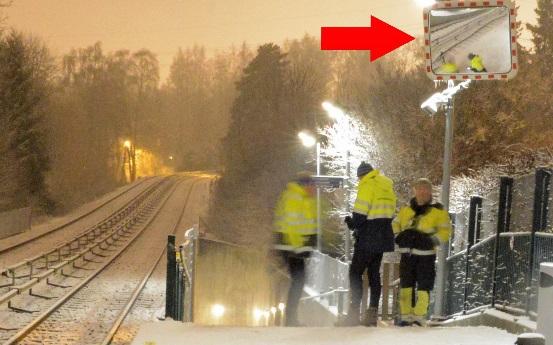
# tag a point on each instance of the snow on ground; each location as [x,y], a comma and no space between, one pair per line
[171,333]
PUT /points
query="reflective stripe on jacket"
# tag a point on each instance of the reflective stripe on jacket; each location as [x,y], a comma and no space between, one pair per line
[419,234]
[375,197]
[295,220]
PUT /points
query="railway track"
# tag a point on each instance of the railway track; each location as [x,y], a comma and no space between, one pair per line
[31,288]
[10,248]
[62,299]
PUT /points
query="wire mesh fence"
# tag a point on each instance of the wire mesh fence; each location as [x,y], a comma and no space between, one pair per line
[479,284]
[499,245]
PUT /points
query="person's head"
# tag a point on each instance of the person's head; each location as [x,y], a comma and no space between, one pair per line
[471,56]
[363,169]
[305,180]
[423,191]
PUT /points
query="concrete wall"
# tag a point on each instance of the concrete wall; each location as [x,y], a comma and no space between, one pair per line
[14,222]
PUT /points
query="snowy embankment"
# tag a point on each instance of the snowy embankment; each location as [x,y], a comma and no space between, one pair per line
[171,333]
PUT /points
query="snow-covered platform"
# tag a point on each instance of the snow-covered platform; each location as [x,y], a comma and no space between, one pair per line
[172,333]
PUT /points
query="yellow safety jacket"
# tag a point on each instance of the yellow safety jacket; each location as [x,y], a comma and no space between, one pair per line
[476,64]
[449,67]
[375,197]
[423,232]
[295,220]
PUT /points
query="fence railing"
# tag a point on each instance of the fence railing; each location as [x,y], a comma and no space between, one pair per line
[328,281]
[327,278]
[502,270]
[14,222]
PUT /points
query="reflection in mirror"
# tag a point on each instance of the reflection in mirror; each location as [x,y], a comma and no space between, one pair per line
[470,40]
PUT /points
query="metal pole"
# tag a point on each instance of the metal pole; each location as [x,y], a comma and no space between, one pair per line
[442,252]
[348,209]
[503,223]
[170,279]
[319,233]
[474,230]
[539,222]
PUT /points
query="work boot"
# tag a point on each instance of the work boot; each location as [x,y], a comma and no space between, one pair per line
[405,321]
[370,318]
[419,321]
[349,320]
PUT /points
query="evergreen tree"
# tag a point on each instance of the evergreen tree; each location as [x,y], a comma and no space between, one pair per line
[256,113]
[24,69]
[542,33]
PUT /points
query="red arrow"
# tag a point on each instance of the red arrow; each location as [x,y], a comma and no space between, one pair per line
[380,39]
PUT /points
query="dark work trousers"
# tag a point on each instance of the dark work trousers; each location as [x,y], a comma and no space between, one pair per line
[296,267]
[371,262]
[417,271]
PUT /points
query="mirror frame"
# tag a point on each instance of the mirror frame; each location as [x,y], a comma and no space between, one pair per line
[472,4]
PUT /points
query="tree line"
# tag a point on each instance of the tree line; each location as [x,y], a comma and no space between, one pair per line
[67,119]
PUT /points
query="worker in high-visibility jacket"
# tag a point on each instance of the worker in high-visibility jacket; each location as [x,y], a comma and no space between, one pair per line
[371,221]
[448,68]
[295,236]
[420,227]
[476,63]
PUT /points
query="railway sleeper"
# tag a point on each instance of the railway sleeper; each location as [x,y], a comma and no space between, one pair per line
[21,310]
[62,286]
[34,294]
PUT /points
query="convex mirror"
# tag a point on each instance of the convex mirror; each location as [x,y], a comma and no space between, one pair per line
[470,40]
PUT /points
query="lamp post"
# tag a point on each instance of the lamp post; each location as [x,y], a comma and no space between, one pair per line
[338,114]
[444,101]
[309,141]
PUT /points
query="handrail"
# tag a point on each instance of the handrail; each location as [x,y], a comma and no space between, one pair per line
[324,294]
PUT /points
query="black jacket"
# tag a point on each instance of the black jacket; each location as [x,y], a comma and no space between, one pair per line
[373,236]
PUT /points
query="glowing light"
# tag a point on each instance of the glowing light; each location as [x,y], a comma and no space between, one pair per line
[281,306]
[306,139]
[266,314]
[127,144]
[273,310]
[425,3]
[257,314]
[170,157]
[333,111]
[217,310]
[349,139]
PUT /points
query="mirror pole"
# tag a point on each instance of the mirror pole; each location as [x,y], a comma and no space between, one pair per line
[439,304]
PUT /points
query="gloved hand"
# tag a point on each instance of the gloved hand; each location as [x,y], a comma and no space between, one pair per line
[435,241]
[349,222]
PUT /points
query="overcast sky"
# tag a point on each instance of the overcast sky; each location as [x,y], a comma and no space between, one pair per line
[165,25]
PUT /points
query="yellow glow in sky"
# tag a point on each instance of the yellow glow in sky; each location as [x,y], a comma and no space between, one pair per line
[165,25]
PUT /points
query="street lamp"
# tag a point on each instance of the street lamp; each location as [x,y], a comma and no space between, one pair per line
[309,141]
[338,114]
[306,139]
[333,111]
[444,101]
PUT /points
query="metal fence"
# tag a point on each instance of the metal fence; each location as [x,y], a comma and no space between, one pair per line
[328,280]
[502,269]
[14,222]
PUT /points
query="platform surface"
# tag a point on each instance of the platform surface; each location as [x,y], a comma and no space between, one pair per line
[173,333]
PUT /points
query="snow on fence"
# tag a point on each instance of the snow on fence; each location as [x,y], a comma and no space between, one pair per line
[502,269]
